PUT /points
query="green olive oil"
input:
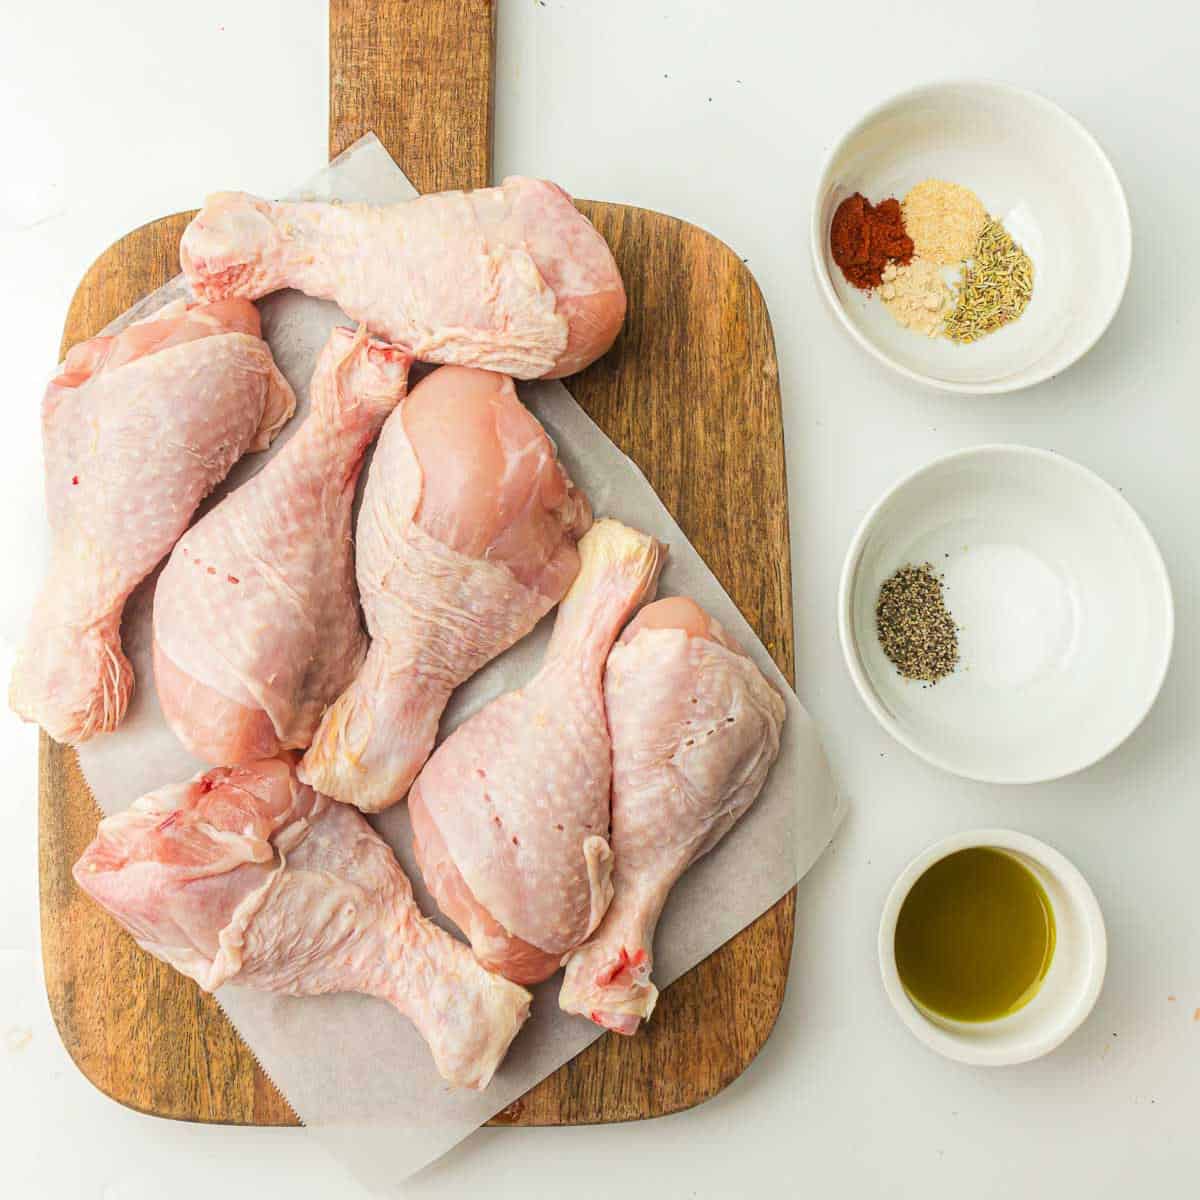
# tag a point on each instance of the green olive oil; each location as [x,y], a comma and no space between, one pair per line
[975,936]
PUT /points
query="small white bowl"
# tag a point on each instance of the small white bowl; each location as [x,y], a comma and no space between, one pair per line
[1038,171]
[1072,984]
[1063,605]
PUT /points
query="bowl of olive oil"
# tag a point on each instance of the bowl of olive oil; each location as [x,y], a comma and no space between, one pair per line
[992,947]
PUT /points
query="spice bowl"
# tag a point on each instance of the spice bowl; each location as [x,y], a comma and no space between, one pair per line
[1036,170]
[1061,602]
[1072,982]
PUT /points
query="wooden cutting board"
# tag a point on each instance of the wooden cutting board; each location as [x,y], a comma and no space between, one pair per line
[690,392]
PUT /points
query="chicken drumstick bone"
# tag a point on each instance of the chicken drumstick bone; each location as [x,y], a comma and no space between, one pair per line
[466,539]
[244,875]
[512,278]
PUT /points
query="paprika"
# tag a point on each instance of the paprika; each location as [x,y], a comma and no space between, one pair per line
[865,237]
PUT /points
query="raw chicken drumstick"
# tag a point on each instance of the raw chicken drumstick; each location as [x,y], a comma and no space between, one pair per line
[511,278]
[244,875]
[256,625]
[695,729]
[138,429]
[466,539]
[510,815]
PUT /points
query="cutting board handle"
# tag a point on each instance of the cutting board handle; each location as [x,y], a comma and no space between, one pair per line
[420,75]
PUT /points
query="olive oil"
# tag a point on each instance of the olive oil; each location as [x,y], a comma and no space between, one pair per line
[975,936]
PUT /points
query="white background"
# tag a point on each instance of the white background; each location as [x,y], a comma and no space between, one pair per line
[720,113]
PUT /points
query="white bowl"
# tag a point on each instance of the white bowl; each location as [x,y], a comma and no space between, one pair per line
[1036,169]
[1063,605]
[1072,983]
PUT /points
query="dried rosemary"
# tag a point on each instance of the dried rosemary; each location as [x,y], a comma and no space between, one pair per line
[995,289]
[915,629]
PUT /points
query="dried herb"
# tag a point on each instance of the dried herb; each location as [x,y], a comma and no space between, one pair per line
[995,289]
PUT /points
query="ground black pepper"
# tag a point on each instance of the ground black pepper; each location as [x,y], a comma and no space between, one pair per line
[915,629]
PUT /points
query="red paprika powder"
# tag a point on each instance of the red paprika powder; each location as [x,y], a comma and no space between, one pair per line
[866,236]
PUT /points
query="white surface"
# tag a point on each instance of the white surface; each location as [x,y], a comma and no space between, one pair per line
[1032,165]
[843,1099]
[1062,602]
[1067,993]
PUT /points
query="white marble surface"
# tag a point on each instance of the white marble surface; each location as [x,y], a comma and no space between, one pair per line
[613,101]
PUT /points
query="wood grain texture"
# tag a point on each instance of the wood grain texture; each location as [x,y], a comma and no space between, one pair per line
[690,392]
[420,74]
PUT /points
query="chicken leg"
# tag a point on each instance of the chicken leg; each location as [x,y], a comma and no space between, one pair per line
[695,729]
[138,429]
[466,539]
[512,278]
[244,875]
[510,814]
[256,625]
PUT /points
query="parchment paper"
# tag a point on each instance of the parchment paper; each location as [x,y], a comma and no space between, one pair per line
[356,1073]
